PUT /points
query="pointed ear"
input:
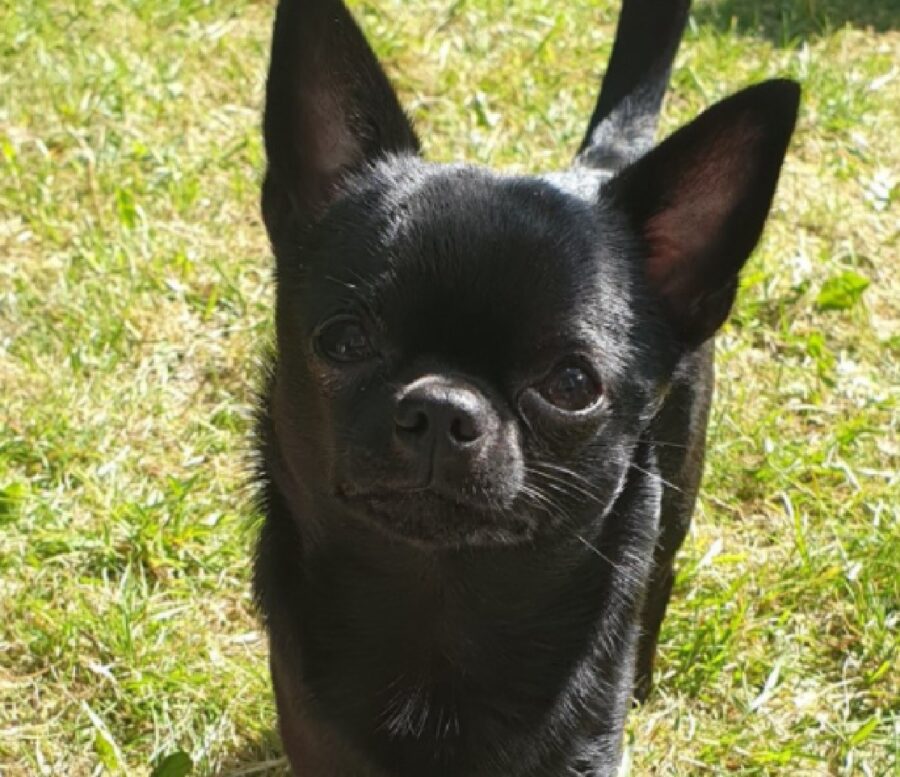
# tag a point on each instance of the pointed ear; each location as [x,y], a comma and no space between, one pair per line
[329,110]
[699,200]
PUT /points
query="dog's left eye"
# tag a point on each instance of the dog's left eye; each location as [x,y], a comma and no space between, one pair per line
[344,339]
[571,388]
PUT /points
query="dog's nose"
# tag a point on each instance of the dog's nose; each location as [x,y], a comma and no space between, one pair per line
[434,412]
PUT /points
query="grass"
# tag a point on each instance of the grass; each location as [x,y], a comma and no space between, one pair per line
[135,296]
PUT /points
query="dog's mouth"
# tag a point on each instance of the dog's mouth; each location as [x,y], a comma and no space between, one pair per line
[427,516]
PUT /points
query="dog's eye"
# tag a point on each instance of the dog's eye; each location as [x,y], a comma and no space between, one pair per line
[570,388]
[344,339]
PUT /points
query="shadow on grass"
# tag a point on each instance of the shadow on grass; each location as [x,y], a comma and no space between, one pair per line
[262,758]
[786,22]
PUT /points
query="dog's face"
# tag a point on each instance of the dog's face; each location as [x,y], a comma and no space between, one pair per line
[463,353]
[467,358]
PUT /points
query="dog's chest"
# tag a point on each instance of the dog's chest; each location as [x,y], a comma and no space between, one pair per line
[438,682]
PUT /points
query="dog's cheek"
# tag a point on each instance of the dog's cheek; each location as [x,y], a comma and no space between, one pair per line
[300,420]
[361,434]
[310,407]
[578,478]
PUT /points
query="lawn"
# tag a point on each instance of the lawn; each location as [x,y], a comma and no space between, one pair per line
[135,304]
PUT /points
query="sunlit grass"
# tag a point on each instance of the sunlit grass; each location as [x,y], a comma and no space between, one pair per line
[135,299]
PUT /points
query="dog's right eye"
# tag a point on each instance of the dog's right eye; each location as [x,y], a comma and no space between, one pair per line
[344,339]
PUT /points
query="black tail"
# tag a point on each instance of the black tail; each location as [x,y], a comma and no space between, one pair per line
[624,122]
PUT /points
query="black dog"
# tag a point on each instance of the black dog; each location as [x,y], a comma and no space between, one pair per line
[483,434]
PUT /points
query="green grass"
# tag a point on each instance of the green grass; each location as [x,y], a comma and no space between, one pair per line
[135,296]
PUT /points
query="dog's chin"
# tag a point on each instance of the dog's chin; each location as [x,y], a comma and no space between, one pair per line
[430,519]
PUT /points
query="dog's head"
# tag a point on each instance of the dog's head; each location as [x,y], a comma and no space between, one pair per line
[465,357]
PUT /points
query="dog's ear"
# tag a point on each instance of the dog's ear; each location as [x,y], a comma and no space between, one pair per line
[330,109]
[698,202]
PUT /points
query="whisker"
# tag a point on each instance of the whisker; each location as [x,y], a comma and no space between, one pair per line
[621,567]
[593,548]
[665,444]
[566,479]
[657,476]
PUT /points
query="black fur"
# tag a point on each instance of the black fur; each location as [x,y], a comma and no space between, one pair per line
[483,433]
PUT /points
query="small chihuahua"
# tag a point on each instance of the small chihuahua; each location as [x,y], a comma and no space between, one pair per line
[483,431]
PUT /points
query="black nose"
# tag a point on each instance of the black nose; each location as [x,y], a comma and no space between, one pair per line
[435,411]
